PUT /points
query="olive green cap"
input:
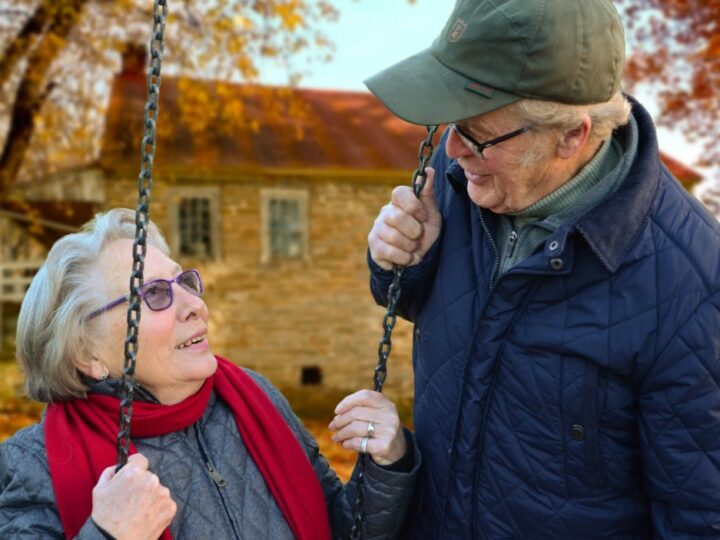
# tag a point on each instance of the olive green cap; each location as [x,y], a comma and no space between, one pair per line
[494,52]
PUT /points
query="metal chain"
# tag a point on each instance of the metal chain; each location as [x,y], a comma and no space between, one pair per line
[385,345]
[144,183]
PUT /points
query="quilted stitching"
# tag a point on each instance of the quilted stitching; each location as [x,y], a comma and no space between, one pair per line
[27,508]
[647,326]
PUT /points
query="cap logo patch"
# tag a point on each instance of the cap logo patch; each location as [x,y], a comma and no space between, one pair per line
[484,91]
[457,31]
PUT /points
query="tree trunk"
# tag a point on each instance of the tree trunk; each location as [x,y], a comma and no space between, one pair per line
[25,39]
[33,89]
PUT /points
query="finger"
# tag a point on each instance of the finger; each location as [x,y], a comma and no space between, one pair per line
[361,414]
[385,255]
[366,398]
[404,197]
[151,481]
[403,221]
[374,447]
[427,195]
[392,237]
[139,461]
[358,428]
[107,475]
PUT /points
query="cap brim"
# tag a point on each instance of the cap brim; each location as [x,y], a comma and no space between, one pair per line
[421,90]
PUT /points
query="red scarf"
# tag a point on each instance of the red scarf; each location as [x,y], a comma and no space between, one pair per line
[80,440]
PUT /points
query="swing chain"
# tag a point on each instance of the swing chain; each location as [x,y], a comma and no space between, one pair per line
[144,183]
[419,178]
[389,320]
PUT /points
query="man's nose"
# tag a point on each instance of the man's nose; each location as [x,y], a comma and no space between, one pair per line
[455,147]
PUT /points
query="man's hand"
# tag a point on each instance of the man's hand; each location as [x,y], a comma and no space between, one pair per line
[407,227]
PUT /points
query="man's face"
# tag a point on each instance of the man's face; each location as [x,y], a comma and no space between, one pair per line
[511,175]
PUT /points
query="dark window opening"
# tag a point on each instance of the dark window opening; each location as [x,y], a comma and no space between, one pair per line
[310,376]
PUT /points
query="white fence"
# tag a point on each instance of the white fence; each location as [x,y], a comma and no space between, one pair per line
[15,278]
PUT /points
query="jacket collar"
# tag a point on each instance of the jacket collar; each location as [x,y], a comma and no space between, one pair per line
[611,227]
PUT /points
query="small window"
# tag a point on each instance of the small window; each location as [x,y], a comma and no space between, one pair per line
[193,214]
[310,376]
[285,229]
[195,228]
[284,224]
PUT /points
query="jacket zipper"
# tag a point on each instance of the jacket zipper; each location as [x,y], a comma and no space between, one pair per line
[512,242]
[218,478]
[496,266]
[215,475]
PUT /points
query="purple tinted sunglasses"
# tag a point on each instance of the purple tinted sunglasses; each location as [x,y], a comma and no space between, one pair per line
[158,293]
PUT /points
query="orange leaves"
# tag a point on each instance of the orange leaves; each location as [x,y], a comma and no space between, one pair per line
[674,45]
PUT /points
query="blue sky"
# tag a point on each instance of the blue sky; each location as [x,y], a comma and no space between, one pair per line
[374,34]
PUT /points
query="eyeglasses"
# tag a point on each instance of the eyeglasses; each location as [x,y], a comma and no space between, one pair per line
[158,293]
[476,147]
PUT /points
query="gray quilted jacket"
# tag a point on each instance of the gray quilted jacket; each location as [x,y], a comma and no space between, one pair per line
[229,501]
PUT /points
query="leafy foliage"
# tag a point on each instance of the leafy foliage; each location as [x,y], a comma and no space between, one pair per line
[58,56]
[675,46]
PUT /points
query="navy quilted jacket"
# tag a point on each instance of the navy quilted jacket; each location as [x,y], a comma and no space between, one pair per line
[576,396]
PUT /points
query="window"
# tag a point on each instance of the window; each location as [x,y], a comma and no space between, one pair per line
[194,223]
[285,232]
[284,224]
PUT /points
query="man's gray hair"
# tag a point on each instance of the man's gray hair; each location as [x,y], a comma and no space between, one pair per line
[606,116]
[51,332]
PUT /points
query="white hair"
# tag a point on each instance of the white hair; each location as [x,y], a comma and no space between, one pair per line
[559,118]
[606,116]
[51,331]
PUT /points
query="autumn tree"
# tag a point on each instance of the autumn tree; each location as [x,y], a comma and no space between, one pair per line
[56,57]
[675,46]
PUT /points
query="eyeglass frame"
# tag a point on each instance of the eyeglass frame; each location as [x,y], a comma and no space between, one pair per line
[170,282]
[478,148]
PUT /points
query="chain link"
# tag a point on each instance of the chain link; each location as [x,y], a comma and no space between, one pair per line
[142,218]
[385,345]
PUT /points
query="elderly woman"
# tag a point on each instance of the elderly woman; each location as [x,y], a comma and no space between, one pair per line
[216,450]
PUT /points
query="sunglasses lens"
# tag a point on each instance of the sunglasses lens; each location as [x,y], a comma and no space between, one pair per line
[157,295]
[190,281]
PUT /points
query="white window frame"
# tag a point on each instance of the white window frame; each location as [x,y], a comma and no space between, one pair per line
[270,194]
[175,195]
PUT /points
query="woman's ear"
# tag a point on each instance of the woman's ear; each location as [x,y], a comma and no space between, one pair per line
[574,141]
[92,367]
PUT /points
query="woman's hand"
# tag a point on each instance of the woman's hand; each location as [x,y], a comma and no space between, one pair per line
[132,503]
[387,442]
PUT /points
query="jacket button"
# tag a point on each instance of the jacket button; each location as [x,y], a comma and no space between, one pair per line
[417,333]
[577,432]
[554,245]
[556,264]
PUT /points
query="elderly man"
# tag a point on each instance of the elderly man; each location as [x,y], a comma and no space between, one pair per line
[563,286]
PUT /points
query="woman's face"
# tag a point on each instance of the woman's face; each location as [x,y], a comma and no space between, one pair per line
[168,364]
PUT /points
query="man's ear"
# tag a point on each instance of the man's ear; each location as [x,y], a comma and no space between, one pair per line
[573,141]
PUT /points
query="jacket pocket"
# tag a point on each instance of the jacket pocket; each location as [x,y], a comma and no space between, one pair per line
[583,464]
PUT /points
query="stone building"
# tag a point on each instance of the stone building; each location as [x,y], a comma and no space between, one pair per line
[273,209]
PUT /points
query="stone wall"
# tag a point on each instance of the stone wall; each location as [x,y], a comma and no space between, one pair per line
[285,315]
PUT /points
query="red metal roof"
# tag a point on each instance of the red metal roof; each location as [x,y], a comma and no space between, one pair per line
[252,127]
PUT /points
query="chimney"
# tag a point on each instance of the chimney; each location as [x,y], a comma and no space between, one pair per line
[134,61]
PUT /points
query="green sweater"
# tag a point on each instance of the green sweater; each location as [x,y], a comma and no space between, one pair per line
[520,235]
